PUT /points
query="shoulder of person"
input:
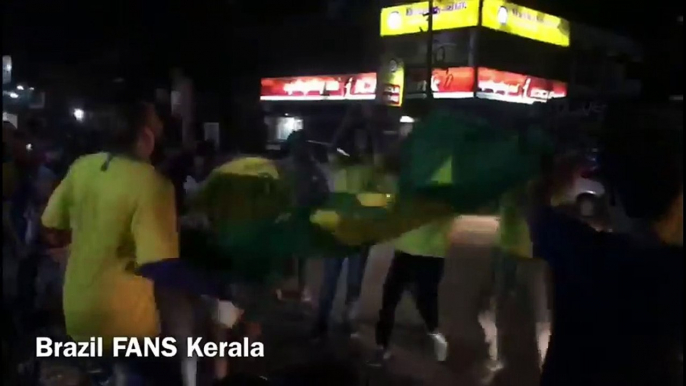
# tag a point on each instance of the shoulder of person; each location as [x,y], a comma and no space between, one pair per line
[88,158]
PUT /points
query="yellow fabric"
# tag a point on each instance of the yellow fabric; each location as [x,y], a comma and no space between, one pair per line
[432,239]
[444,174]
[428,240]
[249,166]
[119,218]
[403,215]
[243,189]
[378,200]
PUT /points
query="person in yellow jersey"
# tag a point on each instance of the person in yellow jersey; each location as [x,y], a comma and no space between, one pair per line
[515,275]
[120,215]
[352,173]
[419,260]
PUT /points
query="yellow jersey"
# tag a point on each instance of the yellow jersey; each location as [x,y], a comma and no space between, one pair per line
[432,239]
[120,217]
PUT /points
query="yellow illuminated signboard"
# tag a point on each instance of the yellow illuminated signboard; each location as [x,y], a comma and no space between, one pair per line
[392,82]
[525,22]
[412,18]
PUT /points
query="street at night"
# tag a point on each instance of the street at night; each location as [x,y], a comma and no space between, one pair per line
[342,193]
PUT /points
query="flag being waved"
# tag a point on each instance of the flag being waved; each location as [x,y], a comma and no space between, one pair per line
[449,164]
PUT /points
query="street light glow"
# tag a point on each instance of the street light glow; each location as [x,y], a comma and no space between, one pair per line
[78,114]
[20,87]
[13,95]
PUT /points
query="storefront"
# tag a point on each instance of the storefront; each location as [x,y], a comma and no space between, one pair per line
[315,103]
[319,103]
[503,98]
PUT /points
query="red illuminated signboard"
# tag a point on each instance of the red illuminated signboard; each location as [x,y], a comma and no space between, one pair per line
[318,88]
[451,83]
[517,88]
[456,83]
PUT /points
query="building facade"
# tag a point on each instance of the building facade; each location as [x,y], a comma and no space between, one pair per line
[511,38]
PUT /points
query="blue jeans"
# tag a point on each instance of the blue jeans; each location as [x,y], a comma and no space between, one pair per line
[332,270]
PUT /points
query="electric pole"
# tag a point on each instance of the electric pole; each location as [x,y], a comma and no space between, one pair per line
[430,53]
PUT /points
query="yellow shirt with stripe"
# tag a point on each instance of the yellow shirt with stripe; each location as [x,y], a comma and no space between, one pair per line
[120,218]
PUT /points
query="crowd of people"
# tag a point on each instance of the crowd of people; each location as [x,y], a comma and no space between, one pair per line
[607,305]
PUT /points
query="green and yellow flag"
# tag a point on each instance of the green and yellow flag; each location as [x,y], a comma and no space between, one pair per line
[450,165]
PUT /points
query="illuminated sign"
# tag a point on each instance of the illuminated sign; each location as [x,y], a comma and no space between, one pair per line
[413,18]
[451,83]
[391,83]
[517,88]
[525,22]
[318,88]
[458,82]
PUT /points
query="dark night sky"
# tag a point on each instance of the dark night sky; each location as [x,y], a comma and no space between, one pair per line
[211,36]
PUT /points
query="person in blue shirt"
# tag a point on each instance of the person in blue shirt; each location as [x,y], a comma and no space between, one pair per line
[618,297]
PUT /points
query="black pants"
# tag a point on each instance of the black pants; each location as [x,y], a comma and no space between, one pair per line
[27,277]
[422,271]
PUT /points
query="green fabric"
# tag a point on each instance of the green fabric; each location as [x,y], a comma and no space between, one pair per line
[513,231]
[484,161]
[431,239]
[450,164]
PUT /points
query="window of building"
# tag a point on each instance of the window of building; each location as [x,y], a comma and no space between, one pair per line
[285,126]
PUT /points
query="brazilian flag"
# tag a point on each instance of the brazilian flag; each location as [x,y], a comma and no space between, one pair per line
[463,161]
[449,165]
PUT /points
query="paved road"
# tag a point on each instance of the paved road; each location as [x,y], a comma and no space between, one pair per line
[344,362]
[467,275]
